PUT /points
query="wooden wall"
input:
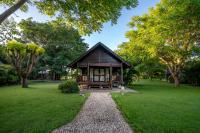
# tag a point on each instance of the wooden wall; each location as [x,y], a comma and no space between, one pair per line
[99,56]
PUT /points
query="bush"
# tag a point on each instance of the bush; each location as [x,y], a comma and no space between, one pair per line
[8,75]
[70,86]
[191,73]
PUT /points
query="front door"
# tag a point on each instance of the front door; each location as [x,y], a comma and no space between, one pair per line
[99,75]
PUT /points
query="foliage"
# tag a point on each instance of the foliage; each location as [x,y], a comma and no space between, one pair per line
[151,68]
[169,31]
[8,30]
[69,86]
[62,44]
[40,109]
[3,54]
[8,75]
[159,108]
[23,57]
[86,16]
[191,73]
[130,75]
[132,54]
[143,65]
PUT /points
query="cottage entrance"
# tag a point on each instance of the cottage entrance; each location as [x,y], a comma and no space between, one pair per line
[99,74]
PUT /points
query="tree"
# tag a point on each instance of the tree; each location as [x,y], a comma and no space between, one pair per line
[8,30]
[86,16]
[62,44]
[23,57]
[143,65]
[169,31]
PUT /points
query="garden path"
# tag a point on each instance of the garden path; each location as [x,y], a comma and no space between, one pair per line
[98,115]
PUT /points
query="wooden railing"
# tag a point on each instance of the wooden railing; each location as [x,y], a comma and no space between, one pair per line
[84,78]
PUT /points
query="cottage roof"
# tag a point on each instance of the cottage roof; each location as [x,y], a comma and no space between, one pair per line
[99,44]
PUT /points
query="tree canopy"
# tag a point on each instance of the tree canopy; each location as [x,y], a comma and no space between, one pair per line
[86,16]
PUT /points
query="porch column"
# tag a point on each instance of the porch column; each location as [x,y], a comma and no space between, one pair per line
[71,73]
[77,71]
[111,76]
[88,74]
[122,81]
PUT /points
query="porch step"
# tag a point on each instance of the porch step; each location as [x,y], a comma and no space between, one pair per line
[99,87]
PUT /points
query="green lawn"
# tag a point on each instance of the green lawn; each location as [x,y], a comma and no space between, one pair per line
[40,108]
[159,107]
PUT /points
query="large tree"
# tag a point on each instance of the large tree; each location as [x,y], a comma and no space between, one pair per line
[23,57]
[86,15]
[169,31]
[62,44]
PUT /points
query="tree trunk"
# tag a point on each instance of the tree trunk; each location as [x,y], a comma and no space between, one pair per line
[11,10]
[176,81]
[175,75]
[24,82]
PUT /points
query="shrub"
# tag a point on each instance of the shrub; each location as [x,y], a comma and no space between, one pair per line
[191,73]
[8,75]
[70,86]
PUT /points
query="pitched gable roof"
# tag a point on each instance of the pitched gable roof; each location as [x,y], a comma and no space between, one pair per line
[99,44]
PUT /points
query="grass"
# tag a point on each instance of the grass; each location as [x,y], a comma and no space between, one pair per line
[159,107]
[38,109]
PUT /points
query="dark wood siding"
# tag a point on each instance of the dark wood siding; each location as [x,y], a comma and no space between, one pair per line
[99,55]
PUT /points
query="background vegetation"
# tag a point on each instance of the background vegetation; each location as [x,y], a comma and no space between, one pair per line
[62,44]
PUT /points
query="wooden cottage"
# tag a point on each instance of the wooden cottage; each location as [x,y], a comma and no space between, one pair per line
[100,68]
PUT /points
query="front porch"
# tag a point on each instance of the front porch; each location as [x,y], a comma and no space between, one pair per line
[100,76]
[99,68]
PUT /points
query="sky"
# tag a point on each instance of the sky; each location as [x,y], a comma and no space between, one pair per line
[110,35]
